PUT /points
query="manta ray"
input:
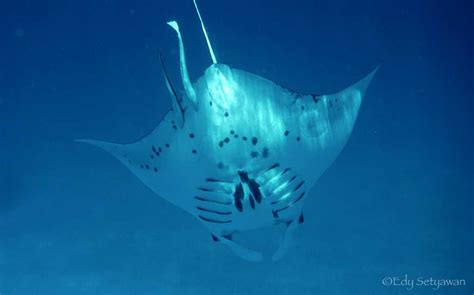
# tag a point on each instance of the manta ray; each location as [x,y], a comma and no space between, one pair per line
[238,151]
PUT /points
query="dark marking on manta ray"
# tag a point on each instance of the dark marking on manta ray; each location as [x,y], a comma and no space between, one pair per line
[265,152]
[238,197]
[275,214]
[298,138]
[141,166]
[287,132]
[301,219]
[214,238]
[226,114]
[212,180]
[153,148]
[147,166]
[194,151]
[159,149]
[254,140]
[151,156]
[254,154]
[167,145]
[244,177]
[156,169]
[232,132]
[302,108]
[228,237]
[191,135]
[210,103]
[221,143]
[315,98]
[254,188]
[226,140]
[220,165]
[236,136]
[252,202]
[213,220]
[244,138]
[213,211]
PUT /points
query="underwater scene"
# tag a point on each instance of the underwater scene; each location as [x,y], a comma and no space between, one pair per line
[236,147]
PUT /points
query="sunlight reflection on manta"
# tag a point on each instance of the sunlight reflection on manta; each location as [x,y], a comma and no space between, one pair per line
[238,151]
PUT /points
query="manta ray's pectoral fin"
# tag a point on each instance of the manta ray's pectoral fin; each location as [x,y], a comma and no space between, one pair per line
[239,250]
[176,101]
[188,87]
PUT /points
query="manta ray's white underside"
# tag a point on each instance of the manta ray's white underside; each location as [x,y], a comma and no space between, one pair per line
[239,152]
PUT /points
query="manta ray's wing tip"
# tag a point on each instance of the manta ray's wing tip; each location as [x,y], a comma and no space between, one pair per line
[363,84]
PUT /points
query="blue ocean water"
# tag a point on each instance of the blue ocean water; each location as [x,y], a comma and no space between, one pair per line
[397,204]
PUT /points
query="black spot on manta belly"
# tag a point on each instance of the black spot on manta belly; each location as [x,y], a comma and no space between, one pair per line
[238,197]
[265,152]
[244,177]
[255,190]
[254,140]
[254,154]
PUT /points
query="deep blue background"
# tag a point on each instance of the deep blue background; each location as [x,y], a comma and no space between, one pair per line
[398,200]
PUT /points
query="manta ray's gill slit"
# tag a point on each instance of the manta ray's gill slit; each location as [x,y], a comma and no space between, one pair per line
[213,211]
[202,199]
[300,197]
[276,177]
[213,220]
[299,186]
